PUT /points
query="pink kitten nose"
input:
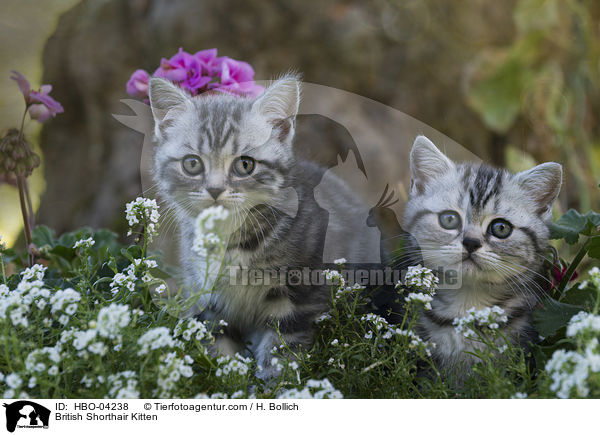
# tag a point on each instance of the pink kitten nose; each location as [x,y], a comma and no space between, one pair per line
[471,244]
[215,192]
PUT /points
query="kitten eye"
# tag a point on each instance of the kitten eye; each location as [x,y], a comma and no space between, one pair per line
[244,166]
[449,220]
[500,228]
[192,165]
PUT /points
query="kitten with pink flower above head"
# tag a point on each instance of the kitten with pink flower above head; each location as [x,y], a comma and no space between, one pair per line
[232,149]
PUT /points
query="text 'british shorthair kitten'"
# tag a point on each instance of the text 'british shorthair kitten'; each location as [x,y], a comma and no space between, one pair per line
[492,227]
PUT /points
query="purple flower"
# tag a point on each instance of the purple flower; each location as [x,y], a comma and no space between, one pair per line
[209,60]
[41,106]
[184,69]
[236,77]
[137,86]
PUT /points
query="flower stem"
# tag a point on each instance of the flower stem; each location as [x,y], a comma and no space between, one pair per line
[3,269]
[26,221]
[24,196]
[29,206]
[571,270]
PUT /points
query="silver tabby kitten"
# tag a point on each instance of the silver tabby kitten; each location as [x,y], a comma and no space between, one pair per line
[237,152]
[492,227]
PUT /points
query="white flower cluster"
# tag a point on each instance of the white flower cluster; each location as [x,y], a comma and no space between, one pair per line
[488,317]
[314,389]
[192,328]
[128,278]
[340,261]
[341,291]
[14,382]
[30,293]
[42,361]
[594,279]
[420,278]
[171,369]
[143,211]
[236,365]
[155,338]
[2,245]
[112,319]
[322,318]
[34,273]
[335,278]
[423,298]
[570,370]
[386,331]
[582,323]
[84,243]
[123,385]
[205,235]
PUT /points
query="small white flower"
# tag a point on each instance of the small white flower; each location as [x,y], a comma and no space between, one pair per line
[85,243]
[155,338]
[143,211]
[335,342]
[340,261]
[423,298]
[112,319]
[421,278]
[13,380]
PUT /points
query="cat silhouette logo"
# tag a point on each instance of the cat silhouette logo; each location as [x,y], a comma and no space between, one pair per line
[26,414]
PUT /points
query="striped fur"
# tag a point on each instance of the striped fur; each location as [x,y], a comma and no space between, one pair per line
[507,272]
[220,128]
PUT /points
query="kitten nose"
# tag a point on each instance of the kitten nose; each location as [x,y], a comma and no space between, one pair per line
[471,244]
[215,192]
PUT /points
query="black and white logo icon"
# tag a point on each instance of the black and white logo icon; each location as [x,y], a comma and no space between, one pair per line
[25,414]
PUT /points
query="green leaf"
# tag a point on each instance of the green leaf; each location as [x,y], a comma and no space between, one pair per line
[43,236]
[497,98]
[583,298]
[593,246]
[570,225]
[553,316]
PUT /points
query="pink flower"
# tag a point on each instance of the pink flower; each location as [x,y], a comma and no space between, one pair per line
[185,70]
[137,86]
[209,60]
[236,77]
[40,104]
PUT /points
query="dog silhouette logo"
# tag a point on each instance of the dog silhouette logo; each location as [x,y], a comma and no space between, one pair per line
[26,414]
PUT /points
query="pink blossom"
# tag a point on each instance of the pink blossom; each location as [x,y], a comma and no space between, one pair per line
[185,70]
[137,86]
[209,60]
[40,104]
[199,72]
[236,77]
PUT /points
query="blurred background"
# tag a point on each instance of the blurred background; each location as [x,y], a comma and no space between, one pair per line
[515,82]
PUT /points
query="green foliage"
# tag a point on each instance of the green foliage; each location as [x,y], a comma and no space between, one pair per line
[546,81]
[93,324]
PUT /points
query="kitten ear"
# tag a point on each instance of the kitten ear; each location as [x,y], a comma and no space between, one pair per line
[543,182]
[426,163]
[280,101]
[165,97]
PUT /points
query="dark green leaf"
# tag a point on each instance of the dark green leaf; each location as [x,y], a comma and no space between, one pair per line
[43,236]
[553,316]
[593,246]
